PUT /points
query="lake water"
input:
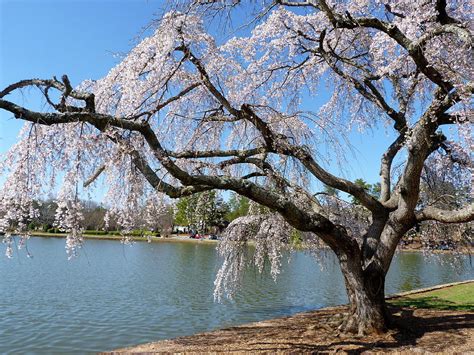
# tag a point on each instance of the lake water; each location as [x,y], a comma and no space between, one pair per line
[114,295]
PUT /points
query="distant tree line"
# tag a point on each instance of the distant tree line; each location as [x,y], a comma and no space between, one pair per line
[208,212]
[204,212]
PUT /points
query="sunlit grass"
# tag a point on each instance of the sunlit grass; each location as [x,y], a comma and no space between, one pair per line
[459,297]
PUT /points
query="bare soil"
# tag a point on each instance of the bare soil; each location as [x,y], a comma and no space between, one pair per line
[413,330]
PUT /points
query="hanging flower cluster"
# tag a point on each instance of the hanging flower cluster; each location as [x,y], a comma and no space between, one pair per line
[69,220]
[270,234]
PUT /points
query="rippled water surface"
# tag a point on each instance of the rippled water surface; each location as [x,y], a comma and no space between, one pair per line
[114,296]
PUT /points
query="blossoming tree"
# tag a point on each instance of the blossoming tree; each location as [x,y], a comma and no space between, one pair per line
[183,114]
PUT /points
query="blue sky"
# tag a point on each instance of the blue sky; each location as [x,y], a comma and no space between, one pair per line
[42,38]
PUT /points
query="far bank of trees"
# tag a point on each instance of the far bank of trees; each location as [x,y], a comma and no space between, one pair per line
[208,212]
[94,216]
[204,212]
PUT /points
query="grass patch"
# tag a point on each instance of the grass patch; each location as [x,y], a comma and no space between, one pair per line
[459,298]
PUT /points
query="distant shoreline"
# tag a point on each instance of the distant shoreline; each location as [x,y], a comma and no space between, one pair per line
[172,238]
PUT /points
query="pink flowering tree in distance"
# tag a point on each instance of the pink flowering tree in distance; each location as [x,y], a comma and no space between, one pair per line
[184,113]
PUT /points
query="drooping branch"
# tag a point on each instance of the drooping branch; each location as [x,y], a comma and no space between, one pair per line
[365,87]
[334,236]
[281,144]
[413,49]
[278,143]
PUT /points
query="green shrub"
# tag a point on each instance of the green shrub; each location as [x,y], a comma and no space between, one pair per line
[53,230]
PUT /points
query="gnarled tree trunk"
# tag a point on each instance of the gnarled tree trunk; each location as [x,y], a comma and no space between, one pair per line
[365,289]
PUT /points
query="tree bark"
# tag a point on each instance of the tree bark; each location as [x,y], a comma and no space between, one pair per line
[366,292]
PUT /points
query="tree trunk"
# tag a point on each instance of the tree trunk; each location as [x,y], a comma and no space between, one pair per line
[366,292]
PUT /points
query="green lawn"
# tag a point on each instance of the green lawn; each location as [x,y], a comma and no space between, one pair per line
[459,297]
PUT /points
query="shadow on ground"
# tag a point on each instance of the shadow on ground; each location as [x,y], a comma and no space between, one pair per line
[433,302]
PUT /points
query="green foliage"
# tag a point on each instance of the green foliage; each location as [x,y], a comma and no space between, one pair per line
[201,211]
[95,232]
[32,226]
[331,191]
[53,230]
[238,207]
[134,233]
[373,189]
[296,238]
[180,217]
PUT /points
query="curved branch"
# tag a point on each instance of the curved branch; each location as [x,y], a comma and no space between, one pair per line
[463,34]
[335,236]
[413,49]
[88,98]
[462,215]
[277,143]
[386,166]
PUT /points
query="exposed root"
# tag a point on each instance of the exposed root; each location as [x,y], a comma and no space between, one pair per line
[368,324]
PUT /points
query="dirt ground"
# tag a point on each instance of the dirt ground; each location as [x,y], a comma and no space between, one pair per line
[416,330]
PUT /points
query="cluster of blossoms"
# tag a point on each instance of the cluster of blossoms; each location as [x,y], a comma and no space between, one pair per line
[69,220]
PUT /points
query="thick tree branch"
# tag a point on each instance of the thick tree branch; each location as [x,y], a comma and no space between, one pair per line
[462,215]
[278,143]
[88,98]
[295,3]
[462,33]
[386,166]
[217,153]
[443,16]
[334,236]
